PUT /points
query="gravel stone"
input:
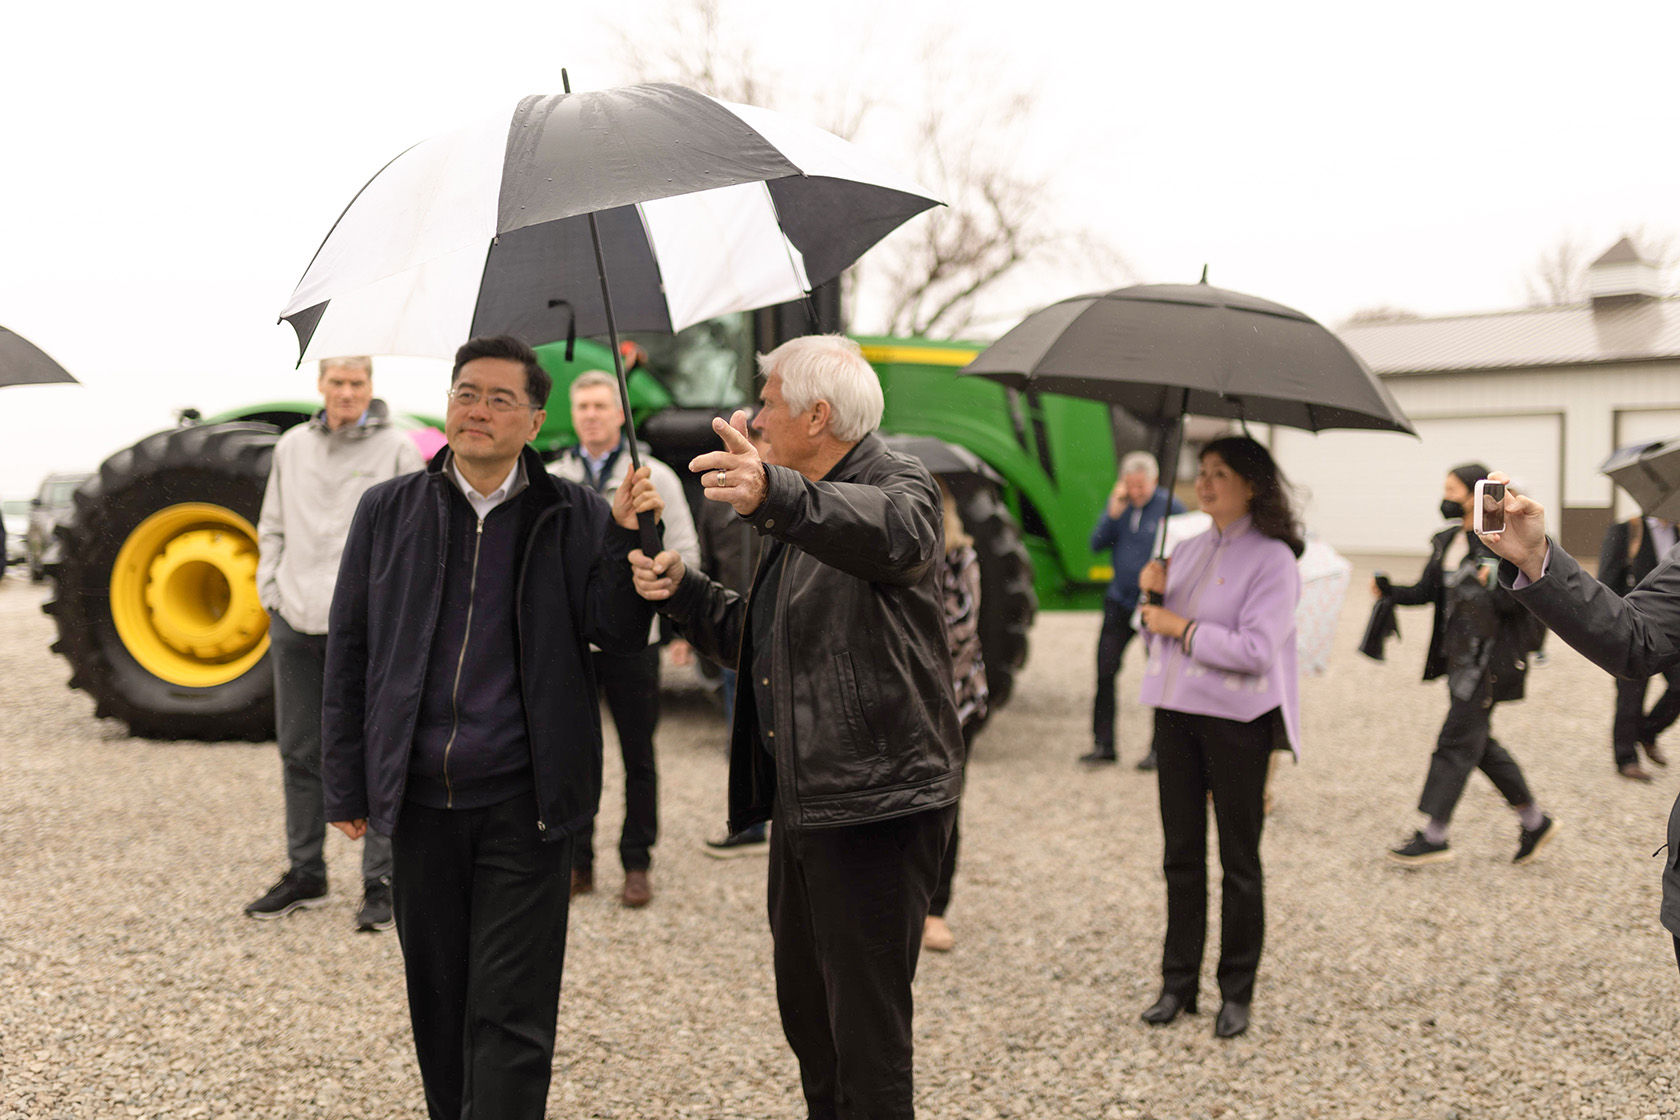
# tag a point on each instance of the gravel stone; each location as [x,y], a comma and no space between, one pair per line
[131,984]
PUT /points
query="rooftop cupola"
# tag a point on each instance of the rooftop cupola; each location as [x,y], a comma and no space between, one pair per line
[1621,278]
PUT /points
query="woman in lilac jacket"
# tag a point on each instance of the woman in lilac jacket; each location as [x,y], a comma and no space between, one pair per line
[1222,679]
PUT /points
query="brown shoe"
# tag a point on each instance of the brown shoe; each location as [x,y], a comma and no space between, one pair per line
[1654,753]
[936,935]
[583,881]
[1634,772]
[638,892]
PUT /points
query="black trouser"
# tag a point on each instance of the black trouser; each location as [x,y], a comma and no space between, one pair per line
[1634,725]
[846,913]
[480,904]
[1198,755]
[1466,743]
[941,900]
[1117,633]
[630,683]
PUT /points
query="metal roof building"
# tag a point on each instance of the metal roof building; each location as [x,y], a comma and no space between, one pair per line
[1543,393]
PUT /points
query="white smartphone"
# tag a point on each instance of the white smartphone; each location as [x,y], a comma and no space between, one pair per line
[1489,514]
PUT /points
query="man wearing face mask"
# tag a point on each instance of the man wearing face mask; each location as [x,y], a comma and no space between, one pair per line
[1480,643]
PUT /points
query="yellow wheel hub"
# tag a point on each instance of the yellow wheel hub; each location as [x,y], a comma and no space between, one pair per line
[184,596]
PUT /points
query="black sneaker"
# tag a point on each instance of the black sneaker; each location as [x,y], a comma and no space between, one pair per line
[752,841]
[1100,753]
[1531,841]
[1147,762]
[292,892]
[375,913]
[1418,851]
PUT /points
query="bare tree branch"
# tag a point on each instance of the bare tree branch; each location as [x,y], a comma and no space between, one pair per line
[970,145]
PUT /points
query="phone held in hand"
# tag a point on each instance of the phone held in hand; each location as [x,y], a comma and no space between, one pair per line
[1489,514]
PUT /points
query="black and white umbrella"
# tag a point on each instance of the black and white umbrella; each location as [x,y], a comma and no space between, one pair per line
[1650,473]
[702,207]
[24,363]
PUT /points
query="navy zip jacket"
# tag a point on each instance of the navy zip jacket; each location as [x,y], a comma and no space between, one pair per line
[572,588]
[1131,548]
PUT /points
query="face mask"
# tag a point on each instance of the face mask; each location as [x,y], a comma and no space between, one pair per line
[1451,510]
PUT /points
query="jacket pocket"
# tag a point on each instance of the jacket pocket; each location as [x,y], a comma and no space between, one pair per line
[858,733]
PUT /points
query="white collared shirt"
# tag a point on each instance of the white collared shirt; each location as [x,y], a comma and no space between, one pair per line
[483,503]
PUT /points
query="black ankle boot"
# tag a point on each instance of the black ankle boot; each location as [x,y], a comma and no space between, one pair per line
[1165,1009]
[1232,1021]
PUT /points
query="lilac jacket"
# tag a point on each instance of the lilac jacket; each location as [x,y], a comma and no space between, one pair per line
[1240,587]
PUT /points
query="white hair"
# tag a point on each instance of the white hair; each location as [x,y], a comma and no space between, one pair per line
[1140,462]
[591,378]
[365,364]
[832,368]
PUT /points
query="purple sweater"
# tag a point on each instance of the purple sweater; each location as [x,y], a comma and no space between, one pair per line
[1240,587]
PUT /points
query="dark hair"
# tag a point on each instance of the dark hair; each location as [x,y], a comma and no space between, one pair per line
[538,384]
[1469,474]
[1271,510]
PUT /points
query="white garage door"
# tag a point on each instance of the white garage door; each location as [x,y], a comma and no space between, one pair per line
[1640,426]
[1376,492]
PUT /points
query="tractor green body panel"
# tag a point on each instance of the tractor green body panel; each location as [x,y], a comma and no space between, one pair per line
[1055,454]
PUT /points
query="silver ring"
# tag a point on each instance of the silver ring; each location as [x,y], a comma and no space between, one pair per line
[723,478]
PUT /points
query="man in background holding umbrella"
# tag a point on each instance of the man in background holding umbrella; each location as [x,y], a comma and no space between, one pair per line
[1128,528]
[1631,551]
[846,733]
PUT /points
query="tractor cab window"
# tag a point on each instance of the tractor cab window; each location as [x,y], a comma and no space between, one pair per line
[708,365]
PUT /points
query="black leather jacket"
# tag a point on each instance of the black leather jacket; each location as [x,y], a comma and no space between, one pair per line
[1481,634]
[573,588]
[865,720]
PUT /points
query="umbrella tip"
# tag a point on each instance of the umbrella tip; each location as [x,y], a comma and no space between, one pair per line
[565,81]
[1204,267]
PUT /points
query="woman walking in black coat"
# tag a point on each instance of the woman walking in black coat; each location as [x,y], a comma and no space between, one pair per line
[1480,643]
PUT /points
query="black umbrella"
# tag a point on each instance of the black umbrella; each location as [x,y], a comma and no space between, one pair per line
[511,225]
[24,363]
[1161,351]
[1650,473]
[1164,351]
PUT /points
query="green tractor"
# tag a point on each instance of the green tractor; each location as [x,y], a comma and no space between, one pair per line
[155,592]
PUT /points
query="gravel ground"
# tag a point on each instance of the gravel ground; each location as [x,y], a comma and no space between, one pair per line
[132,985]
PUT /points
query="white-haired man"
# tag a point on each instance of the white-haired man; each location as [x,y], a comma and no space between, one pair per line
[629,681]
[320,471]
[845,732]
[1127,529]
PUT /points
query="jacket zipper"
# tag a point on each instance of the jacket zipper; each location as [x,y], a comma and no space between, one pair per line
[460,663]
[519,638]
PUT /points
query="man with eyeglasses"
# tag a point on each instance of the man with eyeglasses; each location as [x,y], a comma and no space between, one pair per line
[320,471]
[461,720]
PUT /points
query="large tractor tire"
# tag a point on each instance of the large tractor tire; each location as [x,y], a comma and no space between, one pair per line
[1007,599]
[156,588]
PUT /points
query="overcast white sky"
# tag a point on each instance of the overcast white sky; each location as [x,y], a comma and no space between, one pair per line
[169,169]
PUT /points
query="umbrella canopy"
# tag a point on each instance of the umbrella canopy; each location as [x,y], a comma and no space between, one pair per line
[1161,351]
[702,207]
[1650,472]
[24,363]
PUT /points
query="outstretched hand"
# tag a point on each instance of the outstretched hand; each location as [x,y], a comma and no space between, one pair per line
[735,474]
[1523,542]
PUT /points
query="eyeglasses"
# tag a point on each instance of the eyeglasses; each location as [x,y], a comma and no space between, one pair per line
[498,402]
